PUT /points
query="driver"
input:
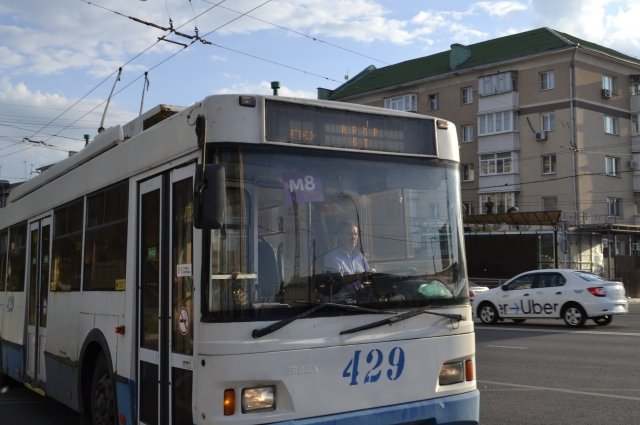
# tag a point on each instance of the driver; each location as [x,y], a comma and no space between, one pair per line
[347,260]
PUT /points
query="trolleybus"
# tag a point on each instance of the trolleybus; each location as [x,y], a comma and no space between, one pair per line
[180,269]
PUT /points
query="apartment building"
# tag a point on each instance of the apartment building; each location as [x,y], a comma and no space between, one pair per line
[546,122]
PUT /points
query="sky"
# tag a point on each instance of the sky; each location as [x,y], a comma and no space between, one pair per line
[60,60]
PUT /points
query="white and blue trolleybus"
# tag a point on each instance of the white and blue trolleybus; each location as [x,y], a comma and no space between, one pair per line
[245,260]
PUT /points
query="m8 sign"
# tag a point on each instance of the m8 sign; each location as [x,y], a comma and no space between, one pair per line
[303,187]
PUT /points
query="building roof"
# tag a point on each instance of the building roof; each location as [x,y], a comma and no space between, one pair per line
[485,53]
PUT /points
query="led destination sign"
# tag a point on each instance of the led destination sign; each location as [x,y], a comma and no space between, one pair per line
[335,128]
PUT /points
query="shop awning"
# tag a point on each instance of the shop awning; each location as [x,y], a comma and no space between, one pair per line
[529,218]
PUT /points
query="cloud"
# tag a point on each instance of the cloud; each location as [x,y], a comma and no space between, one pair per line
[36,115]
[264,88]
[611,23]
[500,8]
[10,58]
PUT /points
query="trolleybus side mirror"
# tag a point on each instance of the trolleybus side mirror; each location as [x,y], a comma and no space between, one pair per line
[209,197]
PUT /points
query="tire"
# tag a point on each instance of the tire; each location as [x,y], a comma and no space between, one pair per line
[487,313]
[602,320]
[103,395]
[574,315]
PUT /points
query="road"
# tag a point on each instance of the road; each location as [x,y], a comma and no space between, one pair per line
[539,372]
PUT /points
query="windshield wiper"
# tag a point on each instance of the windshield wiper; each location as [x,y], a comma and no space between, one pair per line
[257,333]
[401,317]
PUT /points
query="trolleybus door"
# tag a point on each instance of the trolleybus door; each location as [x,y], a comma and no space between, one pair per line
[38,291]
[166,307]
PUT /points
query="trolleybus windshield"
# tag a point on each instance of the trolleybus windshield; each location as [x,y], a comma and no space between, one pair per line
[285,211]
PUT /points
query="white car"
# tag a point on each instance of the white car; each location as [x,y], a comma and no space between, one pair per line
[572,295]
[475,289]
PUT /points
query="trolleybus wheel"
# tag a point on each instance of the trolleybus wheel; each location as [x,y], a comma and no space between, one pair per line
[103,398]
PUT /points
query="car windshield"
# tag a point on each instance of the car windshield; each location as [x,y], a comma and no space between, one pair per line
[307,227]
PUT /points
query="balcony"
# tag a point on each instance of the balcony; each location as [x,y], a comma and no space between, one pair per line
[509,141]
[635,101]
[634,165]
[498,102]
[499,183]
[634,94]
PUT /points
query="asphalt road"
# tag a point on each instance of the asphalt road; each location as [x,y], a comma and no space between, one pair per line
[539,372]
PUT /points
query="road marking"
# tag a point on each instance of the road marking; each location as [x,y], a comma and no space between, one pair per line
[562,390]
[557,331]
[510,347]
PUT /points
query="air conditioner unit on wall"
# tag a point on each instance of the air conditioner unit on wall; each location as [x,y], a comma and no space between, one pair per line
[541,135]
[606,93]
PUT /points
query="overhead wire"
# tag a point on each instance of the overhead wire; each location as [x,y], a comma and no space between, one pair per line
[316,39]
[194,39]
[108,77]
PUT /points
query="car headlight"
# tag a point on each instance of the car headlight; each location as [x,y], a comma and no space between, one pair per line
[258,399]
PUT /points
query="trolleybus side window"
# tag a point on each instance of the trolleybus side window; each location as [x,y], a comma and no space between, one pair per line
[17,257]
[3,259]
[67,247]
[105,246]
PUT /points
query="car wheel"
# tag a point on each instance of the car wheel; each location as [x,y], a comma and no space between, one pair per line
[574,315]
[487,313]
[519,320]
[602,320]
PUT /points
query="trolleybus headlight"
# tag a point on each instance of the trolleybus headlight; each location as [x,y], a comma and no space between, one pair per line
[451,373]
[258,399]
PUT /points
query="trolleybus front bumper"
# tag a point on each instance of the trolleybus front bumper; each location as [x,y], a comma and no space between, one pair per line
[460,409]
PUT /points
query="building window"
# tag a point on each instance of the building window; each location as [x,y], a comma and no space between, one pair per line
[614,206]
[497,83]
[407,102]
[468,172]
[434,102]
[467,133]
[609,83]
[550,203]
[549,164]
[611,166]
[496,122]
[466,95]
[467,208]
[498,202]
[548,121]
[495,163]
[634,85]
[635,124]
[610,124]
[547,80]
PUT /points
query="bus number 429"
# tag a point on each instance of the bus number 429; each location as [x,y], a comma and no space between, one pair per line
[373,365]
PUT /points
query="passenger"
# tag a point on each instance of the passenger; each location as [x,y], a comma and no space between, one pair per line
[347,260]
